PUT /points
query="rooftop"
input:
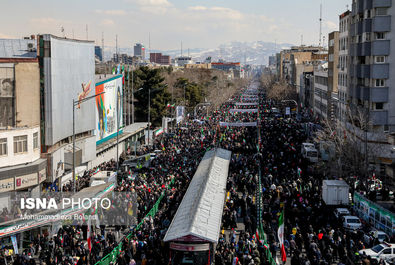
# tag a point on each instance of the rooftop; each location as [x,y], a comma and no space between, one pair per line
[18,48]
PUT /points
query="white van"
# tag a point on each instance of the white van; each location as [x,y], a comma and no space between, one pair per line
[309,152]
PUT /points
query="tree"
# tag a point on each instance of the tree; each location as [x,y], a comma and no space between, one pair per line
[348,140]
[193,92]
[277,90]
[150,79]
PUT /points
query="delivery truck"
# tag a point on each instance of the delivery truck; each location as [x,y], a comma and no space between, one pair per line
[335,192]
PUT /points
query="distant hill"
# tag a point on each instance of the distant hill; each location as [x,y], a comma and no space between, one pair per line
[255,53]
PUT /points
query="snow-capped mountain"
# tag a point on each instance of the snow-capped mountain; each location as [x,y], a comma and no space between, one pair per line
[255,53]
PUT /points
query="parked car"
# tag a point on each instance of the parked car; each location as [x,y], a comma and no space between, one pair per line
[351,223]
[384,251]
[375,234]
[339,212]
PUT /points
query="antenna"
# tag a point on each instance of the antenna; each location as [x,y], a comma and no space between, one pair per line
[188,52]
[86,31]
[320,24]
[347,7]
[102,46]
[62,30]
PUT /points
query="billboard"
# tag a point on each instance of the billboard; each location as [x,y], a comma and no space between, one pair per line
[180,112]
[69,74]
[107,108]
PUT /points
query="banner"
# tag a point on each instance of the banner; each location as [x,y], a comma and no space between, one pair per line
[14,244]
[243,110]
[245,104]
[238,124]
[180,112]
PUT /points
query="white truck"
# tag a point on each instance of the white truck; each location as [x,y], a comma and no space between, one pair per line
[335,192]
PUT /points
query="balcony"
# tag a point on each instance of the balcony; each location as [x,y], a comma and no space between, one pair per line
[382,3]
[363,92]
[381,47]
[363,71]
[367,25]
[379,94]
[382,23]
[368,4]
[366,48]
[380,71]
[359,27]
[379,117]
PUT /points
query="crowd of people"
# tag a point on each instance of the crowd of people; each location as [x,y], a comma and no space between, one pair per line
[269,153]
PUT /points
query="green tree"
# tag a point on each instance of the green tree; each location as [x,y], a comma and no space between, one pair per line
[150,79]
[192,92]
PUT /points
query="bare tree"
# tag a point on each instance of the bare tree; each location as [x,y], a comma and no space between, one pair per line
[280,90]
[350,152]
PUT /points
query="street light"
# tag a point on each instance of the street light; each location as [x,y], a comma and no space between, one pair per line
[149,106]
[76,103]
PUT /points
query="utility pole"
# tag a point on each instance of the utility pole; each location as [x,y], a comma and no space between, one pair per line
[149,113]
[132,94]
[102,46]
[320,24]
[129,94]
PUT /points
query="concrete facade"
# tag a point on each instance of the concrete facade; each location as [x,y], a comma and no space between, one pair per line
[333,62]
[344,43]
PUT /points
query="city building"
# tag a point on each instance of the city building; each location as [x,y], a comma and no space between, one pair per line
[21,167]
[321,91]
[298,60]
[333,62]
[68,74]
[123,58]
[183,60]
[234,67]
[139,51]
[198,66]
[371,79]
[344,43]
[160,59]
[99,53]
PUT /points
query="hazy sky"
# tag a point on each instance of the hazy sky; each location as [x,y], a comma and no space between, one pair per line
[198,23]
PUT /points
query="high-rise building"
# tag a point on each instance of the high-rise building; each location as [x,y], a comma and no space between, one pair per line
[333,61]
[99,53]
[344,43]
[139,51]
[160,59]
[372,79]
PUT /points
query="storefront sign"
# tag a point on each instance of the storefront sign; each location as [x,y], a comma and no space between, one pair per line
[26,181]
[7,185]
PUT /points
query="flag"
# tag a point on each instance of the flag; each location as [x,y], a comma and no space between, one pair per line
[257,237]
[280,234]
[88,236]
[119,69]
[299,172]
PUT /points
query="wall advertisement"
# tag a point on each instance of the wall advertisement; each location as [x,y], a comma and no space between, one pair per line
[69,75]
[107,108]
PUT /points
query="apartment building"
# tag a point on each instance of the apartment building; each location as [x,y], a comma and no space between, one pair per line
[372,78]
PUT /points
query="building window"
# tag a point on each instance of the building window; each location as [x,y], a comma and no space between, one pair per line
[381,11]
[35,140]
[3,146]
[380,83]
[20,144]
[380,59]
[379,105]
[380,35]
